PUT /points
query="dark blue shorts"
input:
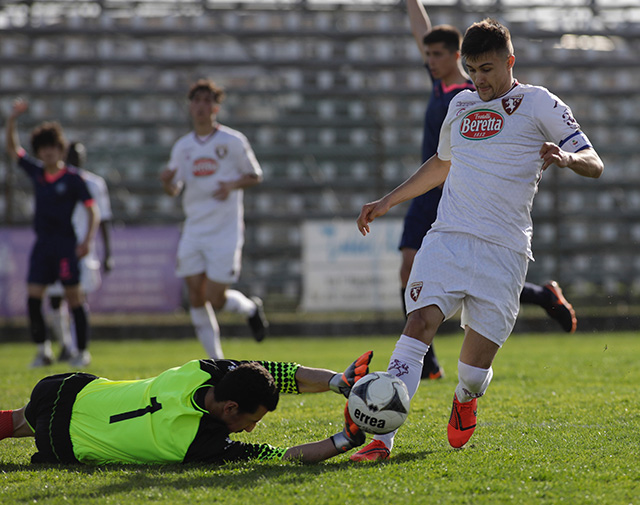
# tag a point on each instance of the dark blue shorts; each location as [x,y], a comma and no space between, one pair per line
[52,259]
[422,213]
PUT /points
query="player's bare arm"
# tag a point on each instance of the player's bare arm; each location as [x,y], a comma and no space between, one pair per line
[350,437]
[431,174]
[105,233]
[420,24]
[82,249]
[170,187]
[226,187]
[313,380]
[20,106]
[318,380]
[586,162]
[312,452]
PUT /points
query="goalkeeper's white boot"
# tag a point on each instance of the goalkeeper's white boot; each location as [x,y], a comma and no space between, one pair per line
[374,451]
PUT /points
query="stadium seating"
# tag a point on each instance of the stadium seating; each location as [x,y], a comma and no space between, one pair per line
[332,101]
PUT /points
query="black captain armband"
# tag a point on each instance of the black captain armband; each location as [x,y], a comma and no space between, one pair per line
[284,375]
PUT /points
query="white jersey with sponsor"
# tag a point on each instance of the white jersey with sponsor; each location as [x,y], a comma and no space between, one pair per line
[201,164]
[495,162]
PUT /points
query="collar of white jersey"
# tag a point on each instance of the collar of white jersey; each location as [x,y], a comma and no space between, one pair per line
[513,86]
[206,138]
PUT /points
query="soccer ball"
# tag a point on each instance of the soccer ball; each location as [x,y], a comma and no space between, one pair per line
[379,403]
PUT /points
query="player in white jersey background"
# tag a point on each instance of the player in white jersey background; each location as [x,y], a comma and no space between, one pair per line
[90,265]
[211,166]
[495,144]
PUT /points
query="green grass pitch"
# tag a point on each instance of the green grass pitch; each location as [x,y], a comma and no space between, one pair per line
[560,423]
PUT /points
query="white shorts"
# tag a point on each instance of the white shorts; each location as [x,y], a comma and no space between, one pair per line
[454,270]
[219,260]
[90,278]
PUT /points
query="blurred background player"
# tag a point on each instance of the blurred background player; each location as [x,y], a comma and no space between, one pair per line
[90,265]
[440,49]
[57,250]
[211,166]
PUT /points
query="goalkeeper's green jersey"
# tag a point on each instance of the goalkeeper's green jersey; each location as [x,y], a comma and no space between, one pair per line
[159,420]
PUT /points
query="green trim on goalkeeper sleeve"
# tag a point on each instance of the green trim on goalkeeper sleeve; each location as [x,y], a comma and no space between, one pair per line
[284,375]
[268,452]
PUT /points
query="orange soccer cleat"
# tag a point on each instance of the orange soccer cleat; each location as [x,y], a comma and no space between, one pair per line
[374,451]
[462,422]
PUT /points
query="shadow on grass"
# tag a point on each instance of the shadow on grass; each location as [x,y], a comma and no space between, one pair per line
[231,476]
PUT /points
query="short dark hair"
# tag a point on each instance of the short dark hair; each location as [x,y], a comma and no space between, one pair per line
[207,85]
[486,36]
[76,154]
[449,35]
[250,385]
[46,135]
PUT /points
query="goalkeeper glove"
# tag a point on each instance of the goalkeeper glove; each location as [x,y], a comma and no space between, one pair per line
[351,436]
[343,382]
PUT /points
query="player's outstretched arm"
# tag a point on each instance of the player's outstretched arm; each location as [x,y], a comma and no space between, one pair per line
[432,173]
[318,380]
[349,438]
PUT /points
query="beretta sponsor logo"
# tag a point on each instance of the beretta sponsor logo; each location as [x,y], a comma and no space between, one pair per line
[481,124]
[204,166]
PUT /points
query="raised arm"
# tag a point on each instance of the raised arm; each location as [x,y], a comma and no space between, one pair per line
[420,24]
[12,141]
[432,173]
[586,162]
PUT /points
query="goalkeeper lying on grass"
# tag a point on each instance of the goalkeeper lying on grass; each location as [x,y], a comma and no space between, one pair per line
[185,414]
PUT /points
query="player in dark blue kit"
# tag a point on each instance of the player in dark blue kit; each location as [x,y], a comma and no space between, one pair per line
[55,254]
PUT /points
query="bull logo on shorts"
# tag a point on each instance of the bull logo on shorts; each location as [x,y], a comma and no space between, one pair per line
[414,290]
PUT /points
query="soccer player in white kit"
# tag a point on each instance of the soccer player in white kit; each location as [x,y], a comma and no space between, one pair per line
[211,166]
[495,144]
[90,265]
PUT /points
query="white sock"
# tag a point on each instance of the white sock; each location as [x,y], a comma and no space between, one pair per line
[472,381]
[405,363]
[207,329]
[239,303]
[45,348]
[61,326]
